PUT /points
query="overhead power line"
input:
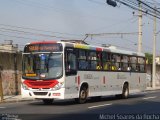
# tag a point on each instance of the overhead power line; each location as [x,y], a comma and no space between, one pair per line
[104,34]
[33,29]
[16,36]
[31,38]
[110,34]
[31,33]
[146,8]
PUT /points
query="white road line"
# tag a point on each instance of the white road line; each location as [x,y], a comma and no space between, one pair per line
[149,98]
[2,107]
[146,92]
[152,91]
[99,105]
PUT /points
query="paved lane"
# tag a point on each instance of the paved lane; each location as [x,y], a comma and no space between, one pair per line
[144,103]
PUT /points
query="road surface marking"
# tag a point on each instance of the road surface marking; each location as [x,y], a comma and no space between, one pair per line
[150,92]
[2,107]
[99,105]
[153,91]
[149,98]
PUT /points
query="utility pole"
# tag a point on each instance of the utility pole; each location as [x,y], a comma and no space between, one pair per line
[154,52]
[140,28]
[15,72]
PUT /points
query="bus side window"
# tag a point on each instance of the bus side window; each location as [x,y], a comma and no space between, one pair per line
[106,61]
[141,62]
[133,61]
[113,62]
[99,67]
[82,60]
[106,65]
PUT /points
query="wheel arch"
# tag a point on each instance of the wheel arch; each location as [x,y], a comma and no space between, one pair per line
[86,85]
[125,83]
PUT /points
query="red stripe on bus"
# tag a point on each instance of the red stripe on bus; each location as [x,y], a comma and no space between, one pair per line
[98,49]
[104,80]
[78,80]
[41,84]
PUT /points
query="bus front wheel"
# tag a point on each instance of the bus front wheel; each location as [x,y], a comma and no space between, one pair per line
[48,101]
[82,95]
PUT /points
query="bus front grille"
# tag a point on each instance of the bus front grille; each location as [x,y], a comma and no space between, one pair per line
[40,93]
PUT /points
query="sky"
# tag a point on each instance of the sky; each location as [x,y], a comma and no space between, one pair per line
[24,21]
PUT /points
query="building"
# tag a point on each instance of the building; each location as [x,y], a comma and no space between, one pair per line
[9,47]
[158,60]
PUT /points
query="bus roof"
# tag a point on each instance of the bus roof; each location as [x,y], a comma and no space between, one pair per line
[79,45]
[111,49]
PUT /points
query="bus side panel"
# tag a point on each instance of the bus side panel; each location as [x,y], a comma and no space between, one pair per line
[102,83]
[71,87]
[137,82]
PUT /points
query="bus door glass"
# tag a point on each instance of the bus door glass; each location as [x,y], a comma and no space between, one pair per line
[70,61]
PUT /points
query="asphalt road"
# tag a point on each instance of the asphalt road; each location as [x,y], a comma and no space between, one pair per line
[139,106]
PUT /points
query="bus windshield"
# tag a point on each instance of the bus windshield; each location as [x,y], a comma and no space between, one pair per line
[42,66]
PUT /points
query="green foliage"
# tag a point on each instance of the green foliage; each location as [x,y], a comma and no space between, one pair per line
[149,58]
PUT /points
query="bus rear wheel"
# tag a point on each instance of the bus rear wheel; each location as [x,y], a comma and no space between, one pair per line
[125,92]
[82,95]
[48,101]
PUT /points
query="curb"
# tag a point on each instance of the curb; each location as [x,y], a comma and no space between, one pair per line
[150,88]
[13,101]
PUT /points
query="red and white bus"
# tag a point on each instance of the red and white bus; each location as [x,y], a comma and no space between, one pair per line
[65,70]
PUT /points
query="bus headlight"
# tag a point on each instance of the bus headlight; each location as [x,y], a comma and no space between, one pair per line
[58,86]
[24,86]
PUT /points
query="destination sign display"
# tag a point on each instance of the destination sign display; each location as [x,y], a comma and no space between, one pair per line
[48,47]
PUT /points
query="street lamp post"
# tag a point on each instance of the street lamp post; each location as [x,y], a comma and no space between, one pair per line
[1,87]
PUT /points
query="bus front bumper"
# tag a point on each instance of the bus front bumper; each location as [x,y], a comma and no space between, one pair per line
[43,94]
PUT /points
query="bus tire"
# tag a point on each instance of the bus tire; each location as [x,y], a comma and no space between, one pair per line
[82,95]
[48,101]
[125,92]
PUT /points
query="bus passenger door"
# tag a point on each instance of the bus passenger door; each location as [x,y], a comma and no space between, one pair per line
[70,72]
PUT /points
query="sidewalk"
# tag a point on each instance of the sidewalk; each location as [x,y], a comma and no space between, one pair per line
[15,98]
[18,98]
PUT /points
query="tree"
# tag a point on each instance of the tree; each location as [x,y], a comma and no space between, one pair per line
[149,58]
